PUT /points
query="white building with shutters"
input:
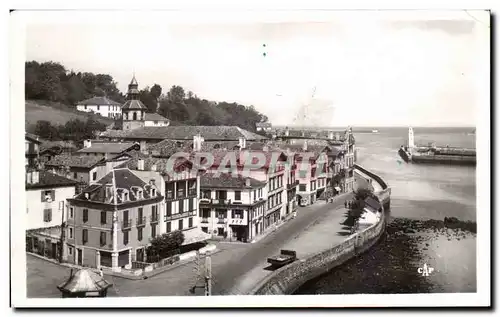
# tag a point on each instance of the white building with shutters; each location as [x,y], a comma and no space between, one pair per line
[46,195]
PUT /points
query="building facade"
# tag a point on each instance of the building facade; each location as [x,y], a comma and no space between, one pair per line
[46,195]
[133,111]
[111,222]
[32,150]
[101,105]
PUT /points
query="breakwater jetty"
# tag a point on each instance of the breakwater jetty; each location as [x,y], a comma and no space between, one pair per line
[289,278]
[436,154]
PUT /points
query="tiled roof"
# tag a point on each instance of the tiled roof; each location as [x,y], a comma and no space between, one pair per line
[107,147]
[99,101]
[125,181]
[32,137]
[47,179]
[209,133]
[154,117]
[134,104]
[227,180]
[166,148]
[73,160]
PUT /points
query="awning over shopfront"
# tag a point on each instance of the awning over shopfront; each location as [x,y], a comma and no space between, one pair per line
[195,235]
[337,189]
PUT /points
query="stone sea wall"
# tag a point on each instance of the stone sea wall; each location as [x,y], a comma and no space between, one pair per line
[289,278]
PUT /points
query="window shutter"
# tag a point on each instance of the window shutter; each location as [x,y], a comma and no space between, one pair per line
[42,198]
[53,195]
[49,215]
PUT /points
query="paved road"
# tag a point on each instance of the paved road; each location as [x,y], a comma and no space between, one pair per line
[236,268]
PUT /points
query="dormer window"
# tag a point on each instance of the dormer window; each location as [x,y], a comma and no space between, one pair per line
[139,194]
[153,192]
[125,197]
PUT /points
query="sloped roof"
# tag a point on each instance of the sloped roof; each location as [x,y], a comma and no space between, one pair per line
[125,180]
[47,179]
[263,124]
[107,147]
[32,137]
[84,280]
[227,180]
[66,159]
[134,104]
[99,101]
[209,133]
[154,117]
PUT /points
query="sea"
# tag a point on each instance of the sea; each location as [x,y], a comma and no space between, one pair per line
[421,191]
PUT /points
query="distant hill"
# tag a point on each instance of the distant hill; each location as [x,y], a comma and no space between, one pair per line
[56,113]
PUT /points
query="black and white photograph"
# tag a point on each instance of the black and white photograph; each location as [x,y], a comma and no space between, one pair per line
[250,159]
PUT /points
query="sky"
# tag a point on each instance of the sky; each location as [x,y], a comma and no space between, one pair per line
[354,71]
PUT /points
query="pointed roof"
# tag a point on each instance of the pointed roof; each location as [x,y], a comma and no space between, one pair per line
[134,104]
[85,280]
[133,81]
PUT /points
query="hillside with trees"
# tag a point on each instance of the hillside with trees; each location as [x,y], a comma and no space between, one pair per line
[51,81]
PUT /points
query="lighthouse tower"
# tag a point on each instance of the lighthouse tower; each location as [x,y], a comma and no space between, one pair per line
[411,138]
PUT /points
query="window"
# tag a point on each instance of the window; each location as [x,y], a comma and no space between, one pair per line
[169,208]
[85,107]
[237,195]
[71,212]
[125,237]
[181,224]
[48,195]
[98,107]
[94,176]
[139,234]
[47,215]
[190,222]
[71,233]
[220,231]
[204,229]
[103,217]
[70,249]
[85,236]
[139,211]
[181,205]
[207,194]
[221,214]
[302,187]
[103,238]
[75,175]
[169,227]
[221,194]
[191,204]
[85,215]
[237,214]
[254,195]
[153,231]
[135,116]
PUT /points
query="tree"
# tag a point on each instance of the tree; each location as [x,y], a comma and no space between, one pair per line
[46,131]
[165,245]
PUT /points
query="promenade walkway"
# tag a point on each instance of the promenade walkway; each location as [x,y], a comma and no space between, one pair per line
[236,268]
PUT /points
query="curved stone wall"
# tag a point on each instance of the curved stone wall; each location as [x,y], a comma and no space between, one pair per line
[289,278]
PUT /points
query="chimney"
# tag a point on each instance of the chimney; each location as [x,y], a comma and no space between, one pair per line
[247,182]
[242,143]
[304,146]
[35,177]
[330,135]
[140,165]
[87,143]
[143,147]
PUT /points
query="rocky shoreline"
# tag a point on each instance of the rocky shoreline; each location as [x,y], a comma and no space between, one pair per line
[392,265]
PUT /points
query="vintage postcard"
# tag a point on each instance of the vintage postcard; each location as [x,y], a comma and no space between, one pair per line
[250,159]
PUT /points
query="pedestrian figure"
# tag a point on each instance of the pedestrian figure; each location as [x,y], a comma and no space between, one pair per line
[345,204]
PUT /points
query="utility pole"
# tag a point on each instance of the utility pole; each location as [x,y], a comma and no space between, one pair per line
[208,276]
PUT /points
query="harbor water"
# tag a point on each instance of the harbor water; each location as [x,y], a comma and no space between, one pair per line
[420,192]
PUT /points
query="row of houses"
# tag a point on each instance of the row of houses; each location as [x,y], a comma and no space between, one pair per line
[100,205]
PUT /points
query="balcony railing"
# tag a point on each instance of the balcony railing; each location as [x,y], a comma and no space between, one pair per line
[169,194]
[141,221]
[204,220]
[192,192]
[126,224]
[180,215]
[153,218]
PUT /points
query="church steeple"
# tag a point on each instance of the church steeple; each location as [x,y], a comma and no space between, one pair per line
[133,90]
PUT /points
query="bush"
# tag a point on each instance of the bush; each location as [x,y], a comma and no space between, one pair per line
[165,245]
